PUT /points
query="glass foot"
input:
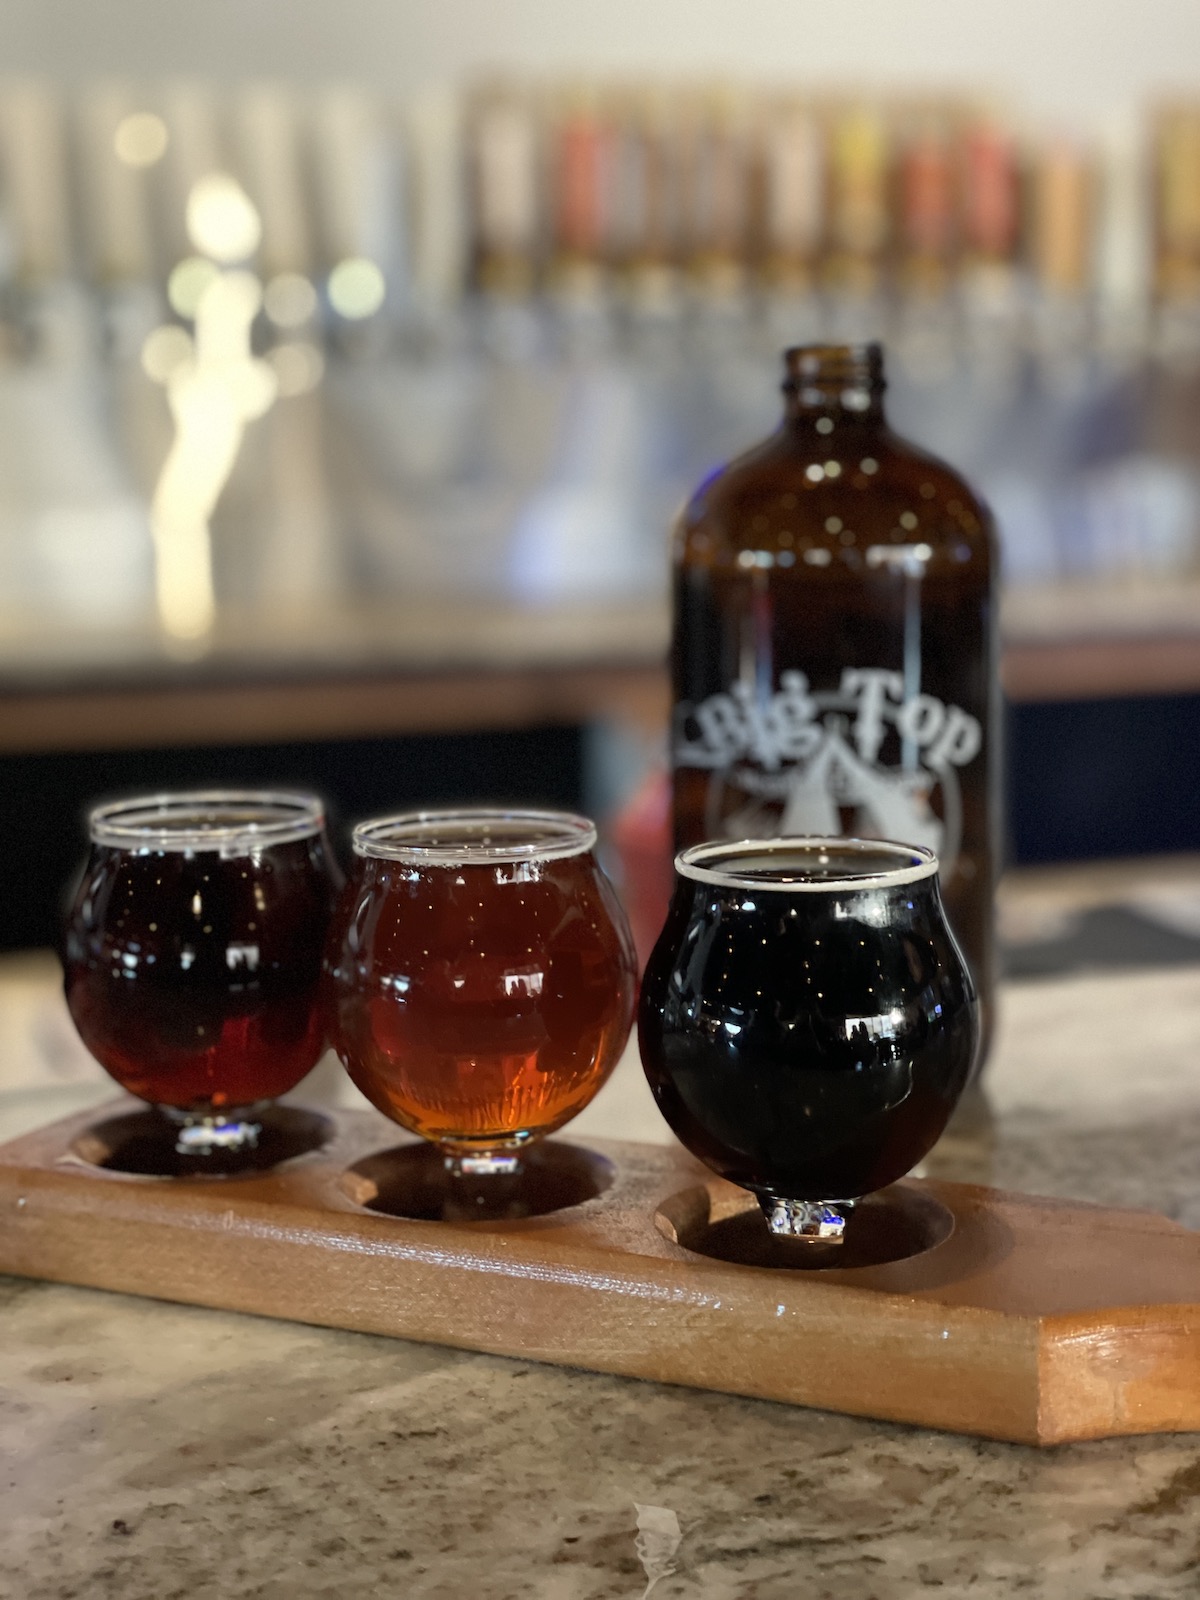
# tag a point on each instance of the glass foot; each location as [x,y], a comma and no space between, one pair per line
[211,1133]
[485,1164]
[822,1221]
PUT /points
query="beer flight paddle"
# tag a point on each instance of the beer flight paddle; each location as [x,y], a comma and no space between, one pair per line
[807,1022]
[955,1307]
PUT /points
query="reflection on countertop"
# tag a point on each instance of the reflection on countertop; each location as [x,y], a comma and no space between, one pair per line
[161,1450]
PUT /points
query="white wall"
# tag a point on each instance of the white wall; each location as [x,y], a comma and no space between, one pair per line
[1072,60]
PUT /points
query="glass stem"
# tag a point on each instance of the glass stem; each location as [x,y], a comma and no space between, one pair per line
[822,1221]
[483,1164]
[205,1133]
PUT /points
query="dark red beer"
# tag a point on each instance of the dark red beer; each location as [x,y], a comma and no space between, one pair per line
[193,950]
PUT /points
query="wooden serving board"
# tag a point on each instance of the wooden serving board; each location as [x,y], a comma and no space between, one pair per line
[951,1306]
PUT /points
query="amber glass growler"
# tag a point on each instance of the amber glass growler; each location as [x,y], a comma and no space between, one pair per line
[834,643]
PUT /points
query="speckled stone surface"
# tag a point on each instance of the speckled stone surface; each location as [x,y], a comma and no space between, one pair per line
[156,1452]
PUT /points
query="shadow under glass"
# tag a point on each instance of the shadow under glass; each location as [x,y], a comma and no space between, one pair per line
[142,1143]
[413,1181]
[893,1225]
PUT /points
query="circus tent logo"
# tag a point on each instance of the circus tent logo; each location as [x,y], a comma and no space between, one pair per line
[866,758]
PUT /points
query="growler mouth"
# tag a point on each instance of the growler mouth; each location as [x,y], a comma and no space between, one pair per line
[847,376]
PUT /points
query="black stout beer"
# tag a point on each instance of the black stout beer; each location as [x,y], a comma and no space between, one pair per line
[807,1022]
[833,667]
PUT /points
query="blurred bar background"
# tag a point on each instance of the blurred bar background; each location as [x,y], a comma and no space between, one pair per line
[353,364]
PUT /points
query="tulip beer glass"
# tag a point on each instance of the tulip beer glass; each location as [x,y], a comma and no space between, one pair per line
[807,1021]
[193,954]
[480,978]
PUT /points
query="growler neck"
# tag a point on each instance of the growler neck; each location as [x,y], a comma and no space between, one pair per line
[842,382]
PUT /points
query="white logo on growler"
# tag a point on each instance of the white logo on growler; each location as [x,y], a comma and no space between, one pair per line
[802,760]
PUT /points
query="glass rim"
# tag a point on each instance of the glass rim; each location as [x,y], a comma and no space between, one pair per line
[549,836]
[914,862]
[169,820]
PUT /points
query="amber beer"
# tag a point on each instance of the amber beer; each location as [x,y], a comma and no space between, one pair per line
[834,650]
[479,976]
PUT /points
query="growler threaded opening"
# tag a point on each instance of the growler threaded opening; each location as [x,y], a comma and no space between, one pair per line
[834,376]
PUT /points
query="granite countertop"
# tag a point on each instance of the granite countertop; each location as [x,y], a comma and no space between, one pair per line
[152,1451]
